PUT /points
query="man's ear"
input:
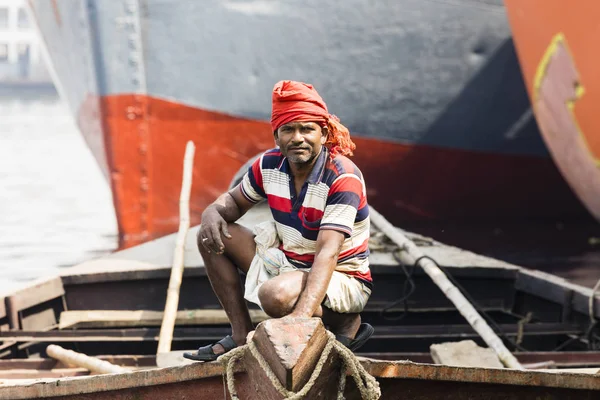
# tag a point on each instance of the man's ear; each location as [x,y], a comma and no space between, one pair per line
[276,137]
[324,134]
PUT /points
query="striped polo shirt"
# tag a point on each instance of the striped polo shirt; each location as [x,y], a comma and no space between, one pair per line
[333,197]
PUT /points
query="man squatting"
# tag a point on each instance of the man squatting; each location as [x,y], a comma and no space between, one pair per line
[318,264]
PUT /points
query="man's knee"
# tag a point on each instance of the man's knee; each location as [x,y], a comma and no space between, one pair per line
[234,229]
[205,254]
[275,300]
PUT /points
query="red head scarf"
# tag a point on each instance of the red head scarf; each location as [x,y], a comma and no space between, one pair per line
[298,101]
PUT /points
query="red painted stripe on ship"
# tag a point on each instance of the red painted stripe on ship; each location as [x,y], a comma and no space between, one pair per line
[223,145]
[420,182]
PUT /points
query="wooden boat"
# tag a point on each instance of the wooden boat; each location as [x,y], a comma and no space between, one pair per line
[111,308]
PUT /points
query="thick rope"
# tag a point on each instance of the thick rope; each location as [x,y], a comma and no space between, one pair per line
[228,360]
[289,395]
[366,384]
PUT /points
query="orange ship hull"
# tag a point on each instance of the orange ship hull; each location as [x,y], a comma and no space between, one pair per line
[556,43]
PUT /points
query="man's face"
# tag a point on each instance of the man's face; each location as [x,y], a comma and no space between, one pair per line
[300,142]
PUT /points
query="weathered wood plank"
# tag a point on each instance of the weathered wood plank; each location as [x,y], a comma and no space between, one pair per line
[42,320]
[118,318]
[44,373]
[210,333]
[554,288]
[38,293]
[137,361]
[566,359]
[292,348]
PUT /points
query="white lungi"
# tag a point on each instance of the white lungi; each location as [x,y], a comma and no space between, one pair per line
[345,294]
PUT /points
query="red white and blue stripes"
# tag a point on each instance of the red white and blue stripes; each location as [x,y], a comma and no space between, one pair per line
[333,197]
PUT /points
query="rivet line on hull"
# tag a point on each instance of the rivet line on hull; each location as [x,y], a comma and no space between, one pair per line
[138,111]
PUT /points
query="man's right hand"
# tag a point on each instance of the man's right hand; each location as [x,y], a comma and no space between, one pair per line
[209,235]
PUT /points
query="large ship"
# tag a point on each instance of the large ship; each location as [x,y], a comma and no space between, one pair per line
[556,46]
[431,90]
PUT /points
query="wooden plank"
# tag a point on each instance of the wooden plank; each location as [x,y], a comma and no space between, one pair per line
[211,333]
[29,364]
[566,359]
[466,271]
[42,320]
[198,375]
[38,293]
[556,289]
[114,270]
[129,318]
[572,370]
[292,347]
[12,313]
[437,331]
[6,344]
[115,335]
[37,374]
[137,361]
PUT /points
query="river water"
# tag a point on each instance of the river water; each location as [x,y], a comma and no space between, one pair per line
[56,207]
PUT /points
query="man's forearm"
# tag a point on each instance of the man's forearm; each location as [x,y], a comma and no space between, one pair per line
[316,284]
[226,206]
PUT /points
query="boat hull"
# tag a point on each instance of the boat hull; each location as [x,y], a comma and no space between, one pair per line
[431,97]
[419,381]
[556,48]
[88,304]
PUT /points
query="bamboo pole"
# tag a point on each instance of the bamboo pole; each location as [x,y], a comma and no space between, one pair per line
[168,323]
[452,293]
[93,364]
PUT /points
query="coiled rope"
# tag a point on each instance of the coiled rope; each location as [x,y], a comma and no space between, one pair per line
[366,384]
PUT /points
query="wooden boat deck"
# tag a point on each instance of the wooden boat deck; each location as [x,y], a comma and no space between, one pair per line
[135,279]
